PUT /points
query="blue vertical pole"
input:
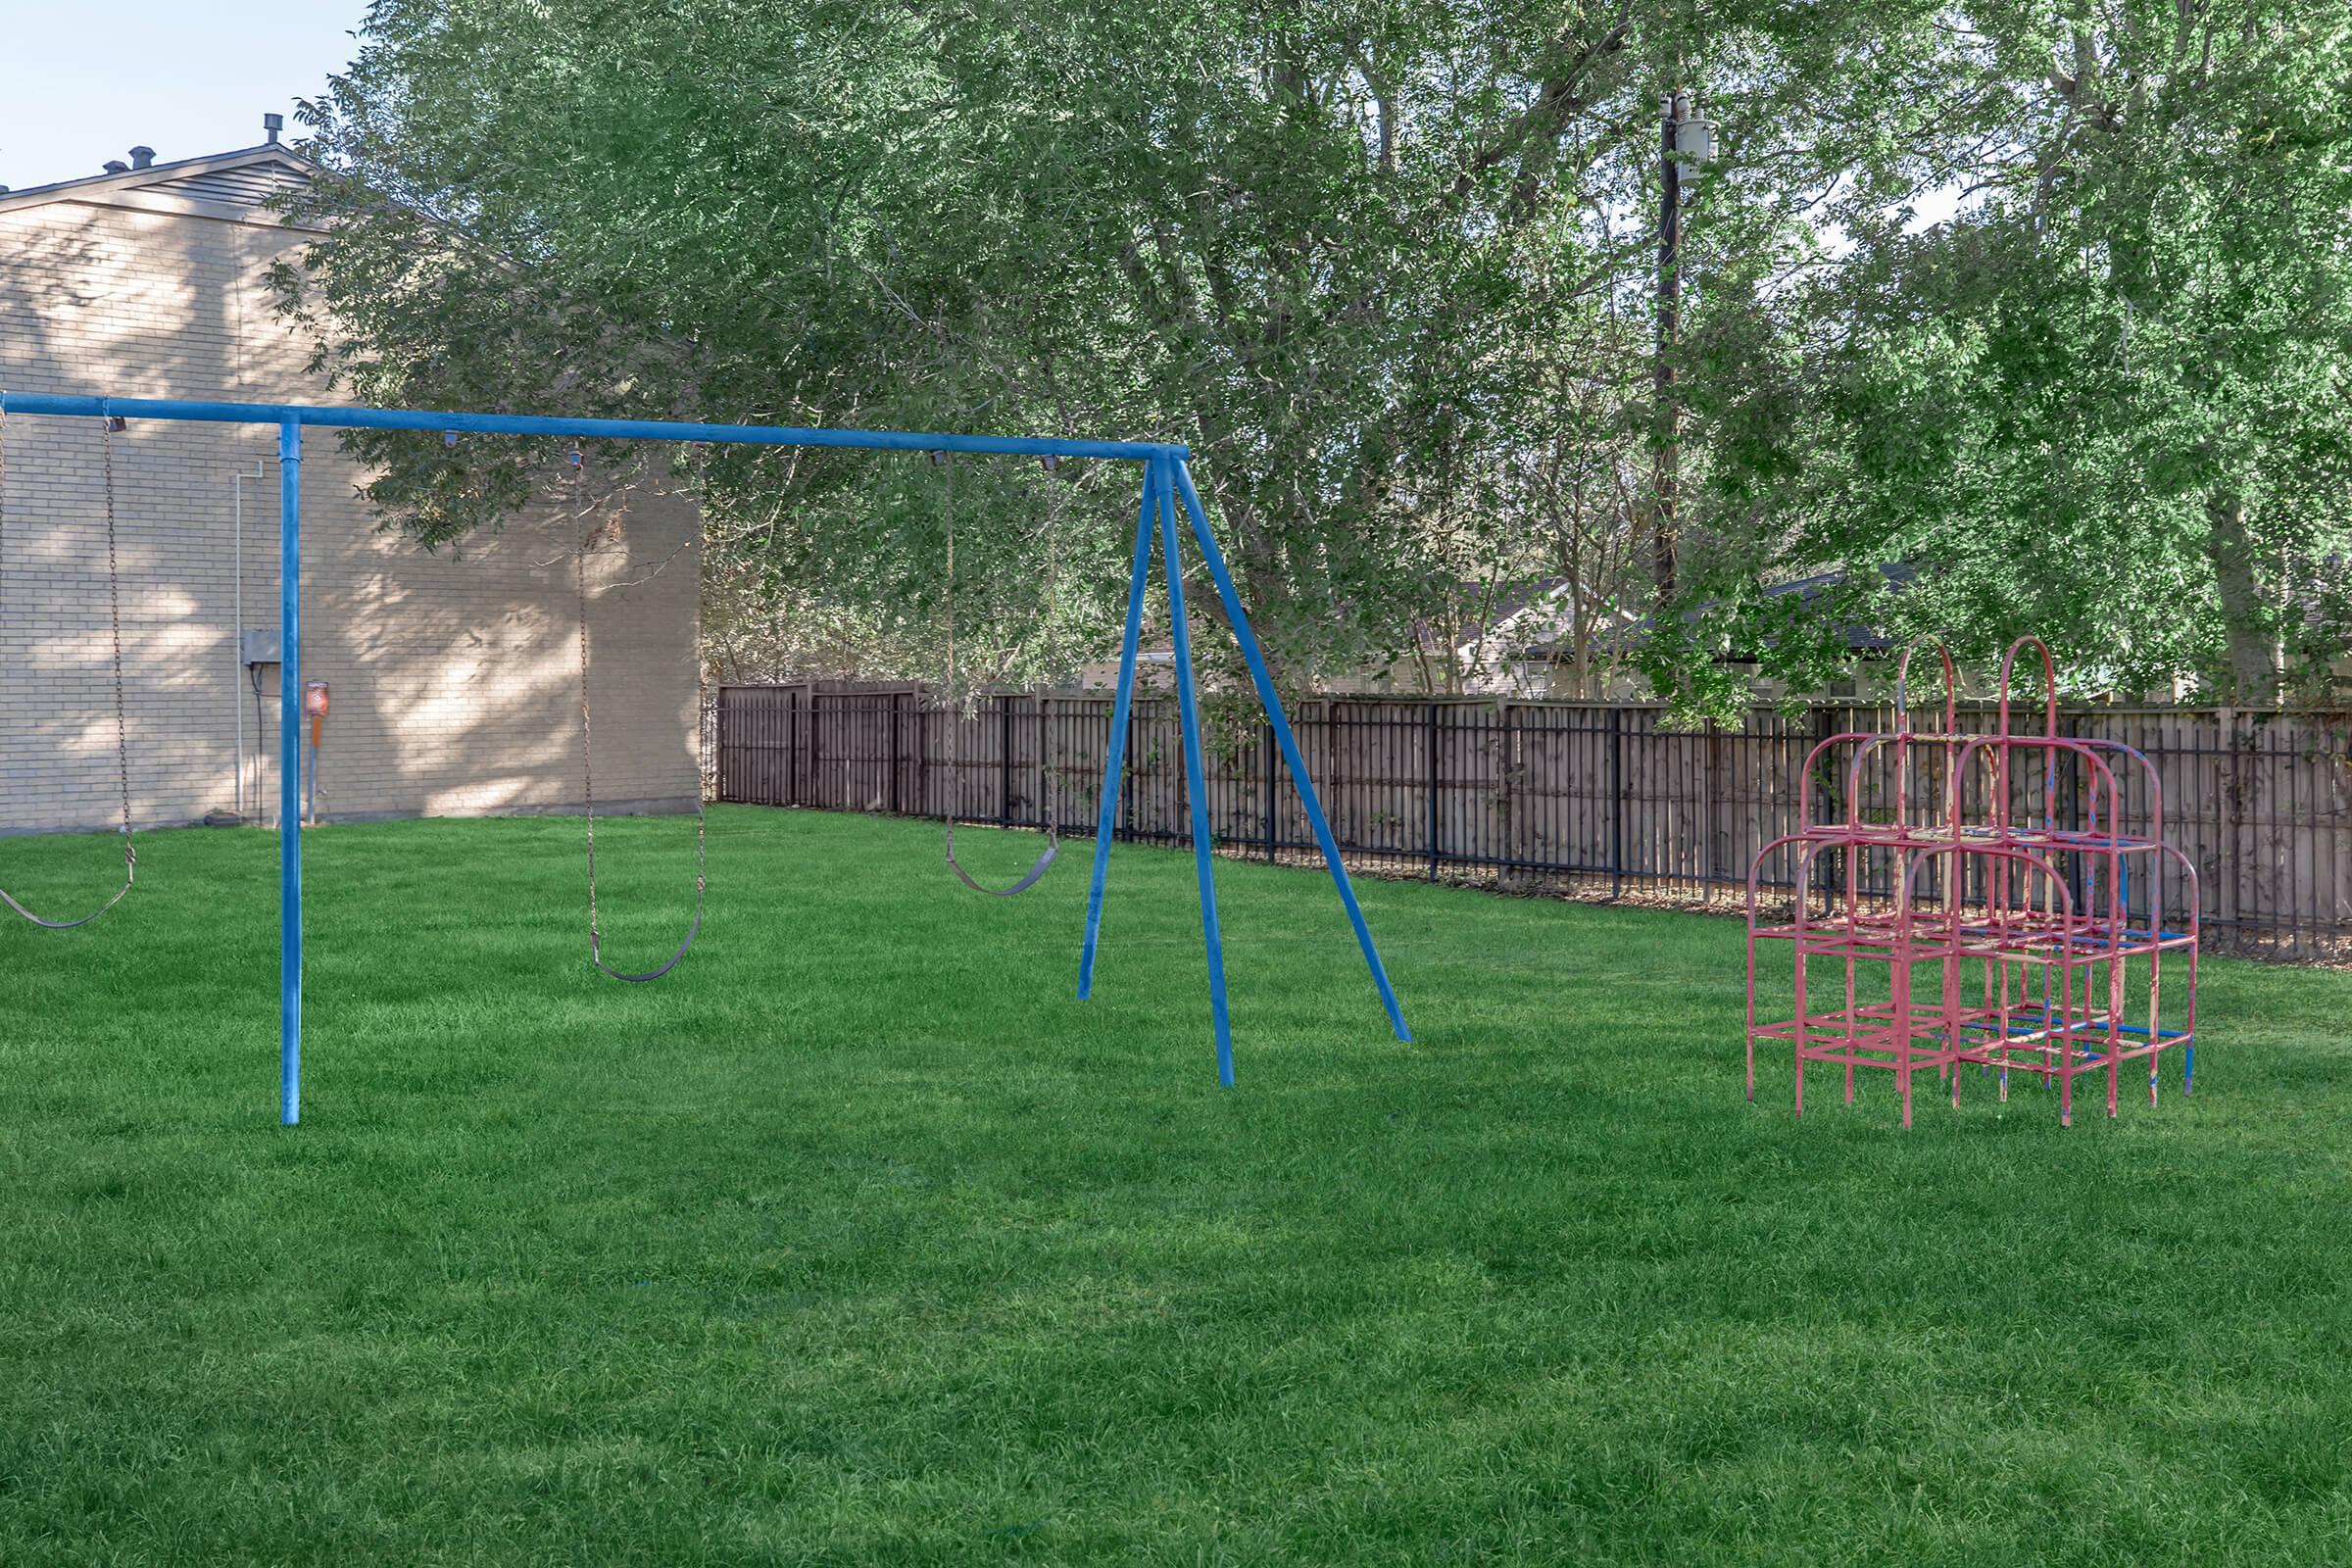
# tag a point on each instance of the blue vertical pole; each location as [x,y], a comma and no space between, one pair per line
[289,769]
[1194,775]
[1116,751]
[1272,700]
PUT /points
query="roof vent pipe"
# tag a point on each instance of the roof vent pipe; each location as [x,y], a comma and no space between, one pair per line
[116,165]
[142,158]
[274,123]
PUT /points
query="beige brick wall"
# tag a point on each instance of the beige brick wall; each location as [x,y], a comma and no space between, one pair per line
[455,675]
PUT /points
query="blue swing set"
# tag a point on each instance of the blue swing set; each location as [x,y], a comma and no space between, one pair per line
[1168,494]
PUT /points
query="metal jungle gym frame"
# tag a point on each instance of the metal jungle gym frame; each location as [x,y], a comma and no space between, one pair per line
[1168,491]
[2012,885]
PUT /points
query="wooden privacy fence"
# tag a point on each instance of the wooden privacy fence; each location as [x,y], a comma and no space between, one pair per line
[1586,798]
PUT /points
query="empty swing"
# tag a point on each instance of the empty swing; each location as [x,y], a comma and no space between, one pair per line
[596,948]
[108,424]
[1045,860]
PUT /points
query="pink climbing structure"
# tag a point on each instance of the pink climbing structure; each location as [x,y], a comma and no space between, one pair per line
[1975,899]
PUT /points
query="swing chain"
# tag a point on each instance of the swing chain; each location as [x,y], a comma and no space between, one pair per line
[114,611]
[1056,520]
[587,729]
[957,707]
[587,723]
[113,604]
[113,596]
[702,668]
[3,503]
[954,707]
[702,672]
[954,718]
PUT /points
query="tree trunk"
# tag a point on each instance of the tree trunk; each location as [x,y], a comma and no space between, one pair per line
[2253,651]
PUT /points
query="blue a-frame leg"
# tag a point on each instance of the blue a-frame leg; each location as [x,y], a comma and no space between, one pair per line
[289,771]
[1168,484]
[1115,763]
[1280,723]
[1196,776]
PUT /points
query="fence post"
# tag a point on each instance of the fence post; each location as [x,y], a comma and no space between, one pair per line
[1710,811]
[1267,744]
[1184,788]
[1005,760]
[1506,756]
[2077,875]
[1514,840]
[1616,802]
[2234,797]
[898,745]
[1431,745]
[719,726]
[1827,868]
[816,749]
[1135,774]
[1335,753]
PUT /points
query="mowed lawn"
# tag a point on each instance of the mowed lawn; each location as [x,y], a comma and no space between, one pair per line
[860,1241]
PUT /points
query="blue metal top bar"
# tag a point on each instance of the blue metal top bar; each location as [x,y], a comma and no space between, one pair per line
[757,436]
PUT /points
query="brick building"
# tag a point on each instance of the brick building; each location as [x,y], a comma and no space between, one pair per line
[454,676]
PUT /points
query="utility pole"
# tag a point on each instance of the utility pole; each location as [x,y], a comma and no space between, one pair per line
[1675,109]
[1686,148]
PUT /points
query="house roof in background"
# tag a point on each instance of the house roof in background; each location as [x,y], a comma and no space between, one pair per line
[232,185]
[1859,638]
[1537,611]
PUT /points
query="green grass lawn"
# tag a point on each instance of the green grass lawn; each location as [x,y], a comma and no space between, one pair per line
[858,1241]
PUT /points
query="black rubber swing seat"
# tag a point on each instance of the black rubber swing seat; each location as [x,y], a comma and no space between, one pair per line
[130,872]
[595,947]
[1029,878]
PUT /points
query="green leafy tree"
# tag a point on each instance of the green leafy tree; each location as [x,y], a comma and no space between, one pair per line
[2103,402]
[1387,269]
[1334,248]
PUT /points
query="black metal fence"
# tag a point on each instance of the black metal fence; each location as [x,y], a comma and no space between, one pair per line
[1587,799]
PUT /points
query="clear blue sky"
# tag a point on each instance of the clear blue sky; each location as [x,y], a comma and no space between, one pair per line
[80,83]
